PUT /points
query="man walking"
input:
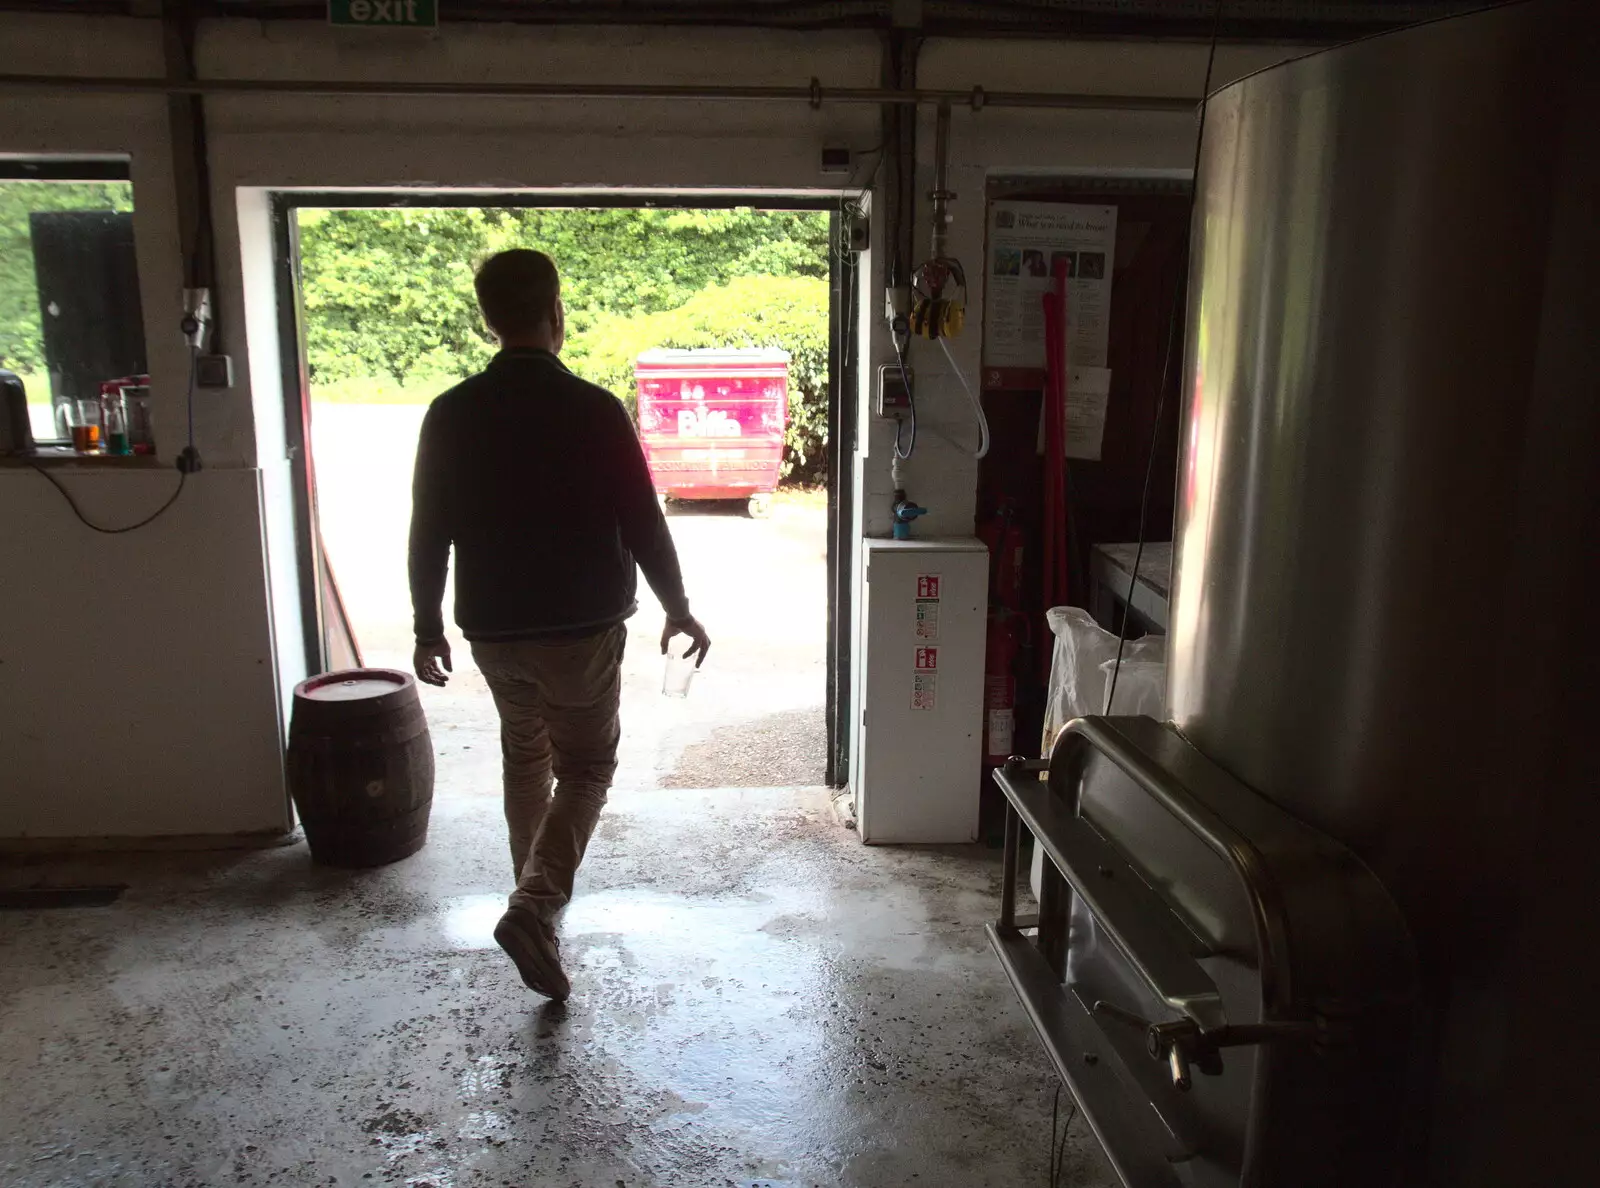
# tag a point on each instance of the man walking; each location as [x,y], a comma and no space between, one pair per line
[537,479]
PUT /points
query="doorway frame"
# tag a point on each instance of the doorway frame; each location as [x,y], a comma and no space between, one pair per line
[844,301]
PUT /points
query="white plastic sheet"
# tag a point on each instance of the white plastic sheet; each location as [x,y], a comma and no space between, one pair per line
[1080,672]
[1080,676]
[1142,683]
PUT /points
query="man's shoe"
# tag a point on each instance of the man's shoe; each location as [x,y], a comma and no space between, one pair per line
[532,945]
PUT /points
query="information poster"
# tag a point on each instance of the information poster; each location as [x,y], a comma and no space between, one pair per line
[1026,241]
[1088,390]
[1088,393]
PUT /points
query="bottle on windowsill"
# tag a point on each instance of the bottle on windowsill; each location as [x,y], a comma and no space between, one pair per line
[114,419]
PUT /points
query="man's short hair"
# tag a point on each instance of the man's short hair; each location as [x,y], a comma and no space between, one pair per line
[517,291]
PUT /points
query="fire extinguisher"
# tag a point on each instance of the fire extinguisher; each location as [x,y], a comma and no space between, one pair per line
[1003,535]
[1006,632]
[1000,685]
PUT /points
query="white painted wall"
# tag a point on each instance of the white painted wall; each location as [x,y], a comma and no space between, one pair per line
[269,389]
[137,689]
[259,143]
[137,673]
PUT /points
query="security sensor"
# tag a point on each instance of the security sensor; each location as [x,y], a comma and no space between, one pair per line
[196,317]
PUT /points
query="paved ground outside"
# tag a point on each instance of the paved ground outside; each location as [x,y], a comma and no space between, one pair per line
[754,716]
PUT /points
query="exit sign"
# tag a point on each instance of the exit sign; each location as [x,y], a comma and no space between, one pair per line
[415,14]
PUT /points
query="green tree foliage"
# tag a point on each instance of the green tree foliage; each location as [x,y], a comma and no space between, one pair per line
[790,312]
[389,292]
[21,344]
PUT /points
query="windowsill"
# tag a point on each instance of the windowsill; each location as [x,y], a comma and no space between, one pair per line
[66,456]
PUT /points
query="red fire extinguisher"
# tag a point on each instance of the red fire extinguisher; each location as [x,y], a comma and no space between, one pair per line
[1003,534]
[1000,685]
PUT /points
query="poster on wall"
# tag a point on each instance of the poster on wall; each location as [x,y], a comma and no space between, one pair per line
[1026,242]
[1088,393]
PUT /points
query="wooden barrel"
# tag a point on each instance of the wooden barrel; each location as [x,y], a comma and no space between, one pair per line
[361,766]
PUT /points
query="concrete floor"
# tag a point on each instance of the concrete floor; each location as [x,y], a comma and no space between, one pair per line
[758,1000]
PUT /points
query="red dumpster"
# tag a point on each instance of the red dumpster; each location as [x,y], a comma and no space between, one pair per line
[712,422]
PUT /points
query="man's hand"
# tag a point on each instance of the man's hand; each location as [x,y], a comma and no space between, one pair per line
[427,659]
[700,642]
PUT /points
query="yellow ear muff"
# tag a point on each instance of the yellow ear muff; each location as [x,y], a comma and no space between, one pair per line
[935,317]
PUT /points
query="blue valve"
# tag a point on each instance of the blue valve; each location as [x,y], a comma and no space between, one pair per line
[904,512]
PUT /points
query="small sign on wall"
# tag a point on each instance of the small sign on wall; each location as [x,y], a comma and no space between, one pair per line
[928,606]
[394,14]
[925,680]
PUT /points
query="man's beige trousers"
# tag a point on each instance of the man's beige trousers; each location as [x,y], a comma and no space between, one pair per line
[559,729]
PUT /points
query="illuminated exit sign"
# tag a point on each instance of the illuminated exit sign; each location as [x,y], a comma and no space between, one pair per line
[393,14]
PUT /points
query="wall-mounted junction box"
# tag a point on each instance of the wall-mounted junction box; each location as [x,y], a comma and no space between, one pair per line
[892,400]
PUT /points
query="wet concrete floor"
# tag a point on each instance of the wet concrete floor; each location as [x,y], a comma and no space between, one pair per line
[759,1000]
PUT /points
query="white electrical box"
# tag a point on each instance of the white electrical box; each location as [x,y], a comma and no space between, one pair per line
[919,763]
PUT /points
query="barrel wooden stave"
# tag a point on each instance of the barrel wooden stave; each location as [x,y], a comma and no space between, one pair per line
[360,766]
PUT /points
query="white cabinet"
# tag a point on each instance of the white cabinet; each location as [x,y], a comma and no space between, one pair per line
[921,729]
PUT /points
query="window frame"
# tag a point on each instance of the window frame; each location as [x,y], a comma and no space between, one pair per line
[68,168]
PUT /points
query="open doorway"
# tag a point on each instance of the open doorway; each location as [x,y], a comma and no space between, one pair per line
[382,319]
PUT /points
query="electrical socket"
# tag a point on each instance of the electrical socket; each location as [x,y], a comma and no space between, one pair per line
[835,159]
[213,371]
[858,232]
[897,308]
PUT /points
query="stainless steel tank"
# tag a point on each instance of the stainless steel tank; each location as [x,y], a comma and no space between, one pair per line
[1386,513]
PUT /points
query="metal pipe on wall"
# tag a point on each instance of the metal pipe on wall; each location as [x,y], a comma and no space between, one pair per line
[814,95]
[941,194]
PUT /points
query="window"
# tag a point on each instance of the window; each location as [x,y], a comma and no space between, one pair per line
[69,291]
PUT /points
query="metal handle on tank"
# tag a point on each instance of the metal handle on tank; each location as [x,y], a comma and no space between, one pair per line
[1267,911]
[1091,866]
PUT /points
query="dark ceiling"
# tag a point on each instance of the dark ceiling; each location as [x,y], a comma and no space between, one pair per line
[1239,20]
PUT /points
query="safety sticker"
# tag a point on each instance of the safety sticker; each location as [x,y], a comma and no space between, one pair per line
[928,591]
[925,691]
[1002,731]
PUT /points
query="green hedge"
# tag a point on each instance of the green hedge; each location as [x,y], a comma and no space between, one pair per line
[389,293]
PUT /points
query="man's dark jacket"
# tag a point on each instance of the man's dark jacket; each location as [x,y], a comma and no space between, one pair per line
[538,480]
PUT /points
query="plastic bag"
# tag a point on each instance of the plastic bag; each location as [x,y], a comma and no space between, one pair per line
[1141,685]
[1080,671]
[1080,674]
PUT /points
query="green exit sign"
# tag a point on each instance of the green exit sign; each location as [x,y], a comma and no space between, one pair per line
[414,14]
